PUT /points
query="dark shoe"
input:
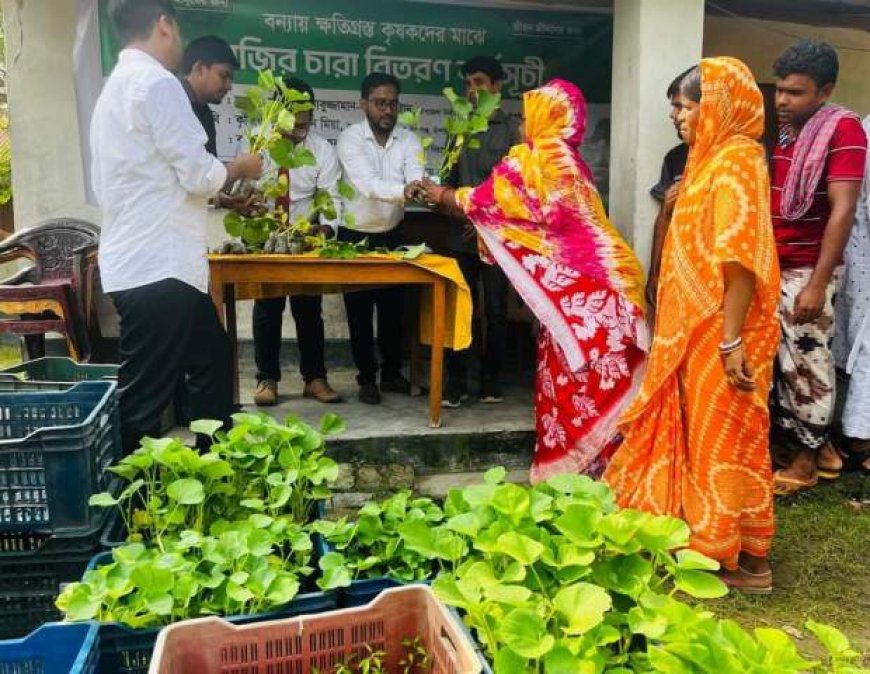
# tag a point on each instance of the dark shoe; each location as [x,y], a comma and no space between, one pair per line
[369,394]
[321,391]
[266,394]
[453,397]
[397,384]
[490,394]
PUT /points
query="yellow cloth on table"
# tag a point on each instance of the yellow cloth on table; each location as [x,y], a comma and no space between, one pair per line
[458,307]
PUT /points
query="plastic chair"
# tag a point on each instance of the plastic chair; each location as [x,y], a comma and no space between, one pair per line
[55,292]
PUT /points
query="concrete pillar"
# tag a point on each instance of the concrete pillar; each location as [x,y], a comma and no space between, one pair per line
[653,41]
[47,179]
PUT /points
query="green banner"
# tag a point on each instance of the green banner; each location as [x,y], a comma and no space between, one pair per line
[334,44]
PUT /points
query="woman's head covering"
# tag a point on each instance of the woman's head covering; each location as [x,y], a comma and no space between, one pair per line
[555,110]
[732,107]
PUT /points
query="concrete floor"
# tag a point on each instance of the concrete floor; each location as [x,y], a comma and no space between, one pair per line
[396,416]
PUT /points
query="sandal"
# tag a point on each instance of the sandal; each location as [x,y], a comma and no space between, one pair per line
[831,473]
[747,582]
[789,486]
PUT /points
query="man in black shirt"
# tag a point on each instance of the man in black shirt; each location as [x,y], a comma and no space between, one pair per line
[207,76]
[665,191]
[474,166]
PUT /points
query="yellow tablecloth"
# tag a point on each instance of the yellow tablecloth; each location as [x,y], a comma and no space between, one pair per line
[457,321]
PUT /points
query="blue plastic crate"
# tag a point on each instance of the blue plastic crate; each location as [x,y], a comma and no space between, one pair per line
[124,650]
[55,451]
[60,369]
[55,648]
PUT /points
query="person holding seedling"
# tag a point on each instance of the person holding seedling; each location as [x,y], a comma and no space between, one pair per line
[153,177]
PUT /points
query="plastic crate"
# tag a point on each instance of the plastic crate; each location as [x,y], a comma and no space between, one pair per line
[12,384]
[299,645]
[55,648]
[55,451]
[61,370]
[30,583]
[124,650]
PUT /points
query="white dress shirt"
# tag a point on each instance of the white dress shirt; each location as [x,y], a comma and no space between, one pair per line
[378,175]
[152,178]
[306,181]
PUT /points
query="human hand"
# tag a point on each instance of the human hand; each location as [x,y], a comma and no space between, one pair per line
[671,197]
[413,191]
[431,193]
[809,304]
[737,370]
[249,205]
[469,233]
[247,166]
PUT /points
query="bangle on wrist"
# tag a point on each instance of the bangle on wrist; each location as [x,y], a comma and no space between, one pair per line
[729,347]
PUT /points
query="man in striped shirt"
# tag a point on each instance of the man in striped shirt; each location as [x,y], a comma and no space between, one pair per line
[816,173]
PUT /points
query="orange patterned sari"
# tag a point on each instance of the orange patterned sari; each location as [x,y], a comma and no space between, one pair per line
[694,446]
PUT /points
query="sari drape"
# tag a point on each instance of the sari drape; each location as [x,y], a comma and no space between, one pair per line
[694,446]
[541,219]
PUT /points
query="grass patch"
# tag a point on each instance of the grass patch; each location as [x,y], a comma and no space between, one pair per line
[820,566]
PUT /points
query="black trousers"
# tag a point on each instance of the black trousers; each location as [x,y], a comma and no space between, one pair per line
[361,305]
[170,329]
[307,313]
[495,292]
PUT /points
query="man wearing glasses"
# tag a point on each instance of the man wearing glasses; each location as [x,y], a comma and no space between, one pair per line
[381,162]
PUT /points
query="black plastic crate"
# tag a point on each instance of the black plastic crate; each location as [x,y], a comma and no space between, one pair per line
[58,369]
[30,583]
[55,451]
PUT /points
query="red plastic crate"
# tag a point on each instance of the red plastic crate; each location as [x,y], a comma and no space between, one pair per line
[320,642]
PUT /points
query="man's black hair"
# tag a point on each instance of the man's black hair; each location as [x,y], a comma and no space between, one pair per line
[489,66]
[674,87]
[375,80]
[817,60]
[299,85]
[135,19]
[208,50]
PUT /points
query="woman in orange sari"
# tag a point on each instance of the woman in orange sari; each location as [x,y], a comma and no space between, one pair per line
[696,437]
[540,218]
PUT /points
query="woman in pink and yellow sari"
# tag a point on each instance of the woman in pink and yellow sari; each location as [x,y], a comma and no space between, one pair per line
[540,218]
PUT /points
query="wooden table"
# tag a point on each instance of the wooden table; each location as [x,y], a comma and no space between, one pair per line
[227,271]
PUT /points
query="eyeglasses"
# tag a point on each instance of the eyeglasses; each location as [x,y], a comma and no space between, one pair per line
[384,103]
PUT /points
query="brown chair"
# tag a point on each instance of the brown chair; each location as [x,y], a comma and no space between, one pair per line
[53,293]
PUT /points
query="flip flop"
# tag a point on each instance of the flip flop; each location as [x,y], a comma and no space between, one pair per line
[734,583]
[789,486]
[833,473]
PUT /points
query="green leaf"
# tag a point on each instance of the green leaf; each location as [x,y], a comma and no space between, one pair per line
[345,190]
[512,595]
[663,533]
[508,662]
[283,590]
[103,500]
[330,424]
[691,559]
[161,604]
[233,223]
[579,524]
[583,605]
[830,637]
[495,475]
[561,661]
[207,426]
[524,632]
[187,491]
[511,500]
[700,584]
[520,547]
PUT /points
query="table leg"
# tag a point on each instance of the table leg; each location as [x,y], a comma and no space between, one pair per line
[216,289]
[416,364]
[436,376]
[232,331]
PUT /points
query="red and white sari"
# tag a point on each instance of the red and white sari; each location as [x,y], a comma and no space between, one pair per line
[540,218]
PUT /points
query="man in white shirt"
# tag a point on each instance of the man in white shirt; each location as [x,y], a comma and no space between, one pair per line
[381,162]
[303,184]
[153,177]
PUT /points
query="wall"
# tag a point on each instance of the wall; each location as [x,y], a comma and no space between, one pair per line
[758,43]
